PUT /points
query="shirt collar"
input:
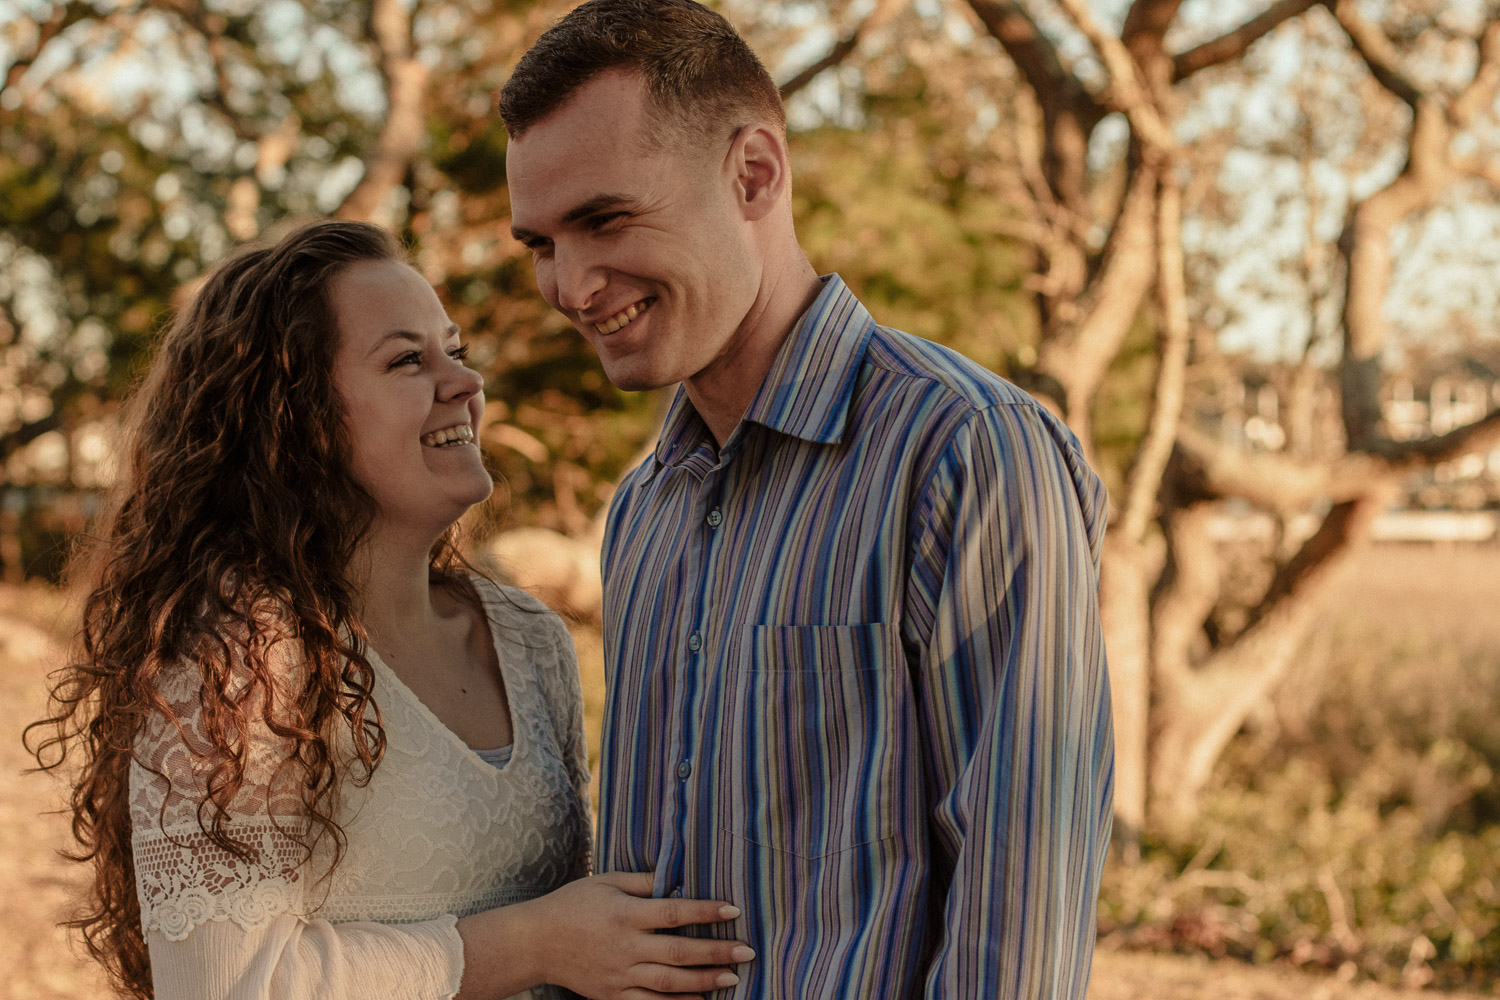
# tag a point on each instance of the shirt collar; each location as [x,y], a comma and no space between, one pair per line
[807,391]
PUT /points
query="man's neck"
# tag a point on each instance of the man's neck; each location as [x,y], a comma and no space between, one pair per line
[723,391]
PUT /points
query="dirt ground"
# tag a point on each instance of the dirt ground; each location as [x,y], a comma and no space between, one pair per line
[38,963]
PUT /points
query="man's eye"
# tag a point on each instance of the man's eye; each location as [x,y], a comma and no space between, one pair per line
[606,220]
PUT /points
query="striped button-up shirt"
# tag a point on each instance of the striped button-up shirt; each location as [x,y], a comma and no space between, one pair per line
[856,681]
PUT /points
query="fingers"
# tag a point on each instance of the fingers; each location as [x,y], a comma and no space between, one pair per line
[658,979]
[671,950]
[687,912]
[630,883]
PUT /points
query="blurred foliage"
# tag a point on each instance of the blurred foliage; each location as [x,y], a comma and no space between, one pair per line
[119,188]
[1357,826]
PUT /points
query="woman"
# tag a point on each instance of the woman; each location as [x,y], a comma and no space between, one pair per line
[319,759]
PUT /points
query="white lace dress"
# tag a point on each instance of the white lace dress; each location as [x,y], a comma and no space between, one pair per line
[438,833]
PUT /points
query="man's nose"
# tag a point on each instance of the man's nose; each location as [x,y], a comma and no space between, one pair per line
[578,279]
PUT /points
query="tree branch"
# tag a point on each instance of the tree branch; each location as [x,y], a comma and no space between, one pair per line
[1126,93]
[1035,56]
[12,441]
[400,139]
[1188,594]
[1212,469]
[1232,45]
[1166,408]
[884,12]
[1402,456]
[1377,52]
[1079,358]
[1481,169]
[63,18]
[1366,246]
[1479,96]
[1347,522]
[1148,20]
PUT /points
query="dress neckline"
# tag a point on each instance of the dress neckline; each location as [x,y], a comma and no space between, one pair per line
[499,640]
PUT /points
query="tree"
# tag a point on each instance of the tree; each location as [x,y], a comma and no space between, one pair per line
[1181,691]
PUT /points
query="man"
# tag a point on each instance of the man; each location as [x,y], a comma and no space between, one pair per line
[856,680]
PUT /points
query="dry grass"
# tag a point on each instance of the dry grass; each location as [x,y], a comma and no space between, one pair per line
[36,885]
[1453,590]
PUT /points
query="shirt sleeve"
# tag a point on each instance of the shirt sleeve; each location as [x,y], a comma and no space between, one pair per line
[1003,634]
[228,927]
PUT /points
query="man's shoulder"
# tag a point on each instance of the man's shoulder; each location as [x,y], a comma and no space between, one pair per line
[940,374]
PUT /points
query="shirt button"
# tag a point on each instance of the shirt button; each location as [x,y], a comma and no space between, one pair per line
[715,518]
[677,893]
[684,769]
[695,642]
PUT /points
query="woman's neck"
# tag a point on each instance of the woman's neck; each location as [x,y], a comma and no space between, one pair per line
[394,589]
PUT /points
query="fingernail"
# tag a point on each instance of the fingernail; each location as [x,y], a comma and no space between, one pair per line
[729,912]
[743,953]
[728,979]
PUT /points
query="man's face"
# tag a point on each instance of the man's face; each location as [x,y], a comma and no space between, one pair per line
[645,250]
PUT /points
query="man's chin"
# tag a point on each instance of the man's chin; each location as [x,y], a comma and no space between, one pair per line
[629,379]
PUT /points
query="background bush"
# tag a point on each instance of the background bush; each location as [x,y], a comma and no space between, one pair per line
[1356,825]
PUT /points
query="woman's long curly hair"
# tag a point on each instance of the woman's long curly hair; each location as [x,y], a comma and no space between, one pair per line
[236,497]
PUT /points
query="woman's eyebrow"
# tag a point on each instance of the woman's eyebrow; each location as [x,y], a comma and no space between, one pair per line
[408,335]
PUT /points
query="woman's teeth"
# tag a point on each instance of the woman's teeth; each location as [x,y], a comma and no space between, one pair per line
[448,436]
[619,319]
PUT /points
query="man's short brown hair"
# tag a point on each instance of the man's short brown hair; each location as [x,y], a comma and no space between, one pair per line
[702,79]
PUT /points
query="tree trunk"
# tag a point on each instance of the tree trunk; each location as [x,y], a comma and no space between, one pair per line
[1125,610]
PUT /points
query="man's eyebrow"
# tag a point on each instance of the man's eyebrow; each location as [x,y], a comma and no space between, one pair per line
[598,203]
[408,335]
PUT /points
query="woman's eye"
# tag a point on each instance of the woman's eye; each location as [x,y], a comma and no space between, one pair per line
[409,358]
[460,353]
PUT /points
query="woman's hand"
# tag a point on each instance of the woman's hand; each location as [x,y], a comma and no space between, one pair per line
[597,937]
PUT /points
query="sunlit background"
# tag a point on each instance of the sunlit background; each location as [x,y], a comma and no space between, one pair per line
[1250,251]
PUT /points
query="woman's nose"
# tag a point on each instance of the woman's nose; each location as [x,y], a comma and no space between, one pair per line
[460,381]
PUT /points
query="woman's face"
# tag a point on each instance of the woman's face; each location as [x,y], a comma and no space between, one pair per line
[412,406]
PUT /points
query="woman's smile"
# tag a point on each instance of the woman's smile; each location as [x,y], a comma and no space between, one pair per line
[450,437]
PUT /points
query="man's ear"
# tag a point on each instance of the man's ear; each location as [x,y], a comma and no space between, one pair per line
[761,170]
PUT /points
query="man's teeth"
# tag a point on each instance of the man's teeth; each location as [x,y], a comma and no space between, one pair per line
[619,319]
[461,434]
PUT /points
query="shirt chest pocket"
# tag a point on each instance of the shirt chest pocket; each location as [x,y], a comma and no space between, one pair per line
[816,717]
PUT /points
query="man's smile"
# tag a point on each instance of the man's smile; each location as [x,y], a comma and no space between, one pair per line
[623,318]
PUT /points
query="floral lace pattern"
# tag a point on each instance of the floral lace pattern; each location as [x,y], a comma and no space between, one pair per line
[437,830]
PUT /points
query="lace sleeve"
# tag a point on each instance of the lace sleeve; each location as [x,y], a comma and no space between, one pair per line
[183,878]
[225,927]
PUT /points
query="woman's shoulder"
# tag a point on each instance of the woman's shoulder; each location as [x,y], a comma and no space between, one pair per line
[519,612]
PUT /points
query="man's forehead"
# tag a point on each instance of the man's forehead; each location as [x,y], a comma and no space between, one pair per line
[611,102]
